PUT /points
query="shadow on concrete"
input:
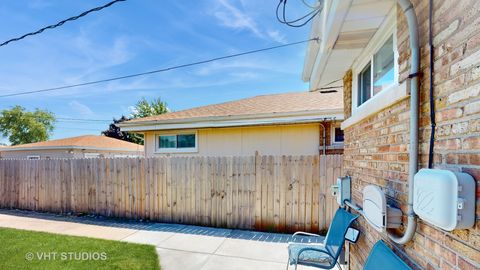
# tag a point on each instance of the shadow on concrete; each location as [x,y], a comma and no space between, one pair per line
[165,227]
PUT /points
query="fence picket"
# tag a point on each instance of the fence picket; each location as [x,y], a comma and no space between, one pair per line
[279,193]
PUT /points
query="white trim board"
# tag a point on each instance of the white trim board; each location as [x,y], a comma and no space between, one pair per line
[192,124]
[378,102]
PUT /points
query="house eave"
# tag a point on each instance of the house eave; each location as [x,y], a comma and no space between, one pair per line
[327,27]
[72,147]
[235,121]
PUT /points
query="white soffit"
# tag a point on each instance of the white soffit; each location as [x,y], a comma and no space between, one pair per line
[362,20]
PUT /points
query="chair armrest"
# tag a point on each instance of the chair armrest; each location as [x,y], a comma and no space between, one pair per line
[306,233]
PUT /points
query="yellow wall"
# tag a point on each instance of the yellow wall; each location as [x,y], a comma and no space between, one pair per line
[267,140]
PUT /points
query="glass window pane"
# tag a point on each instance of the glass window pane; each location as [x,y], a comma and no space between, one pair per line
[364,85]
[186,141]
[383,65]
[167,141]
[338,135]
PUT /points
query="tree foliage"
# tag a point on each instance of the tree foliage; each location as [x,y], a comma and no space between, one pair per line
[142,108]
[21,126]
[114,131]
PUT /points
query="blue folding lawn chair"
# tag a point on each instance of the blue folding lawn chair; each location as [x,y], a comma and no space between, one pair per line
[382,257]
[322,255]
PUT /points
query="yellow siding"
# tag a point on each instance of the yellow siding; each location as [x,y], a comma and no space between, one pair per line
[267,140]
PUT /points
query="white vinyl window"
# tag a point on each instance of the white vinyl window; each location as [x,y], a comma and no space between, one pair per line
[378,74]
[177,143]
[33,157]
[337,135]
[375,83]
[375,70]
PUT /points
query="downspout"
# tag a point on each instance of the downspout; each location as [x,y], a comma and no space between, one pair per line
[411,226]
[324,138]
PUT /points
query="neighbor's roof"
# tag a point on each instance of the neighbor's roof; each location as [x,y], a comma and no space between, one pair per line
[295,102]
[80,142]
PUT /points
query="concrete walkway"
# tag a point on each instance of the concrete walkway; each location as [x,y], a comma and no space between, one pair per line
[179,246]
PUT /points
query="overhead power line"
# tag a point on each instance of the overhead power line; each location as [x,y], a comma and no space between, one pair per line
[60,23]
[158,70]
[302,21]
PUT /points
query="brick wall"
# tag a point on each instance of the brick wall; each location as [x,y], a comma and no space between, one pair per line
[376,149]
[347,94]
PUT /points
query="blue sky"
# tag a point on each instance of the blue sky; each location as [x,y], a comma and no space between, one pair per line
[136,36]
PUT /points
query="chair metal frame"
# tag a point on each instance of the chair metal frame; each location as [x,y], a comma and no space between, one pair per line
[322,248]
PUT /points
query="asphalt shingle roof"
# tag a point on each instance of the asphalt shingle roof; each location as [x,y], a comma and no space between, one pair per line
[88,141]
[264,104]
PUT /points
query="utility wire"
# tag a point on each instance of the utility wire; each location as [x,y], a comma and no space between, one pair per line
[306,18]
[158,70]
[60,23]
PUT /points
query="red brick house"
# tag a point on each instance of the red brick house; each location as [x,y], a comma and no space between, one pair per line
[367,43]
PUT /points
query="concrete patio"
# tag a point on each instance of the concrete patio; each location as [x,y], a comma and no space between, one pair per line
[179,246]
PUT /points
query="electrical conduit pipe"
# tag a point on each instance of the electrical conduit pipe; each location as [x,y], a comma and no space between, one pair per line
[411,17]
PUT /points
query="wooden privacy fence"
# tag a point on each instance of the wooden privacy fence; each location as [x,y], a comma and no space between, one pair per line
[273,193]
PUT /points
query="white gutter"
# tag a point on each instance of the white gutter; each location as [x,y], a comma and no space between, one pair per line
[7,149]
[331,27]
[313,47]
[232,121]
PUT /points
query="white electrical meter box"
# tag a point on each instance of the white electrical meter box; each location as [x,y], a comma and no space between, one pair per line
[342,190]
[377,212]
[445,199]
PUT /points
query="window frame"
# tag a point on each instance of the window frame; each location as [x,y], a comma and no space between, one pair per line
[176,150]
[33,157]
[335,142]
[385,31]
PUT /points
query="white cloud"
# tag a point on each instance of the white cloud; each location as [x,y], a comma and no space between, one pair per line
[97,57]
[232,17]
[241,17]
[277,36]
[244,75]
[81,109]
[39,4]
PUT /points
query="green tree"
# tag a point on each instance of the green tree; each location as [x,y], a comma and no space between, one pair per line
[143,108]
[21,126]
[114,131]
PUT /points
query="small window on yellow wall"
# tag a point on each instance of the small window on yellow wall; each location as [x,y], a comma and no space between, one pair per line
[177,142]
[168,141]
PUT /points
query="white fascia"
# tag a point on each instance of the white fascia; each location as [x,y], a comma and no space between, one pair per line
[237,121]
[330,24]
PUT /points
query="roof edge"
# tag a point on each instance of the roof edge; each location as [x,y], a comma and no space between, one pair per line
[217,122]
[68,147]
[229,117]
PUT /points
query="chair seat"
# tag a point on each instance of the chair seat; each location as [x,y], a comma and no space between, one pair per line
[382,257]
[307,257]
